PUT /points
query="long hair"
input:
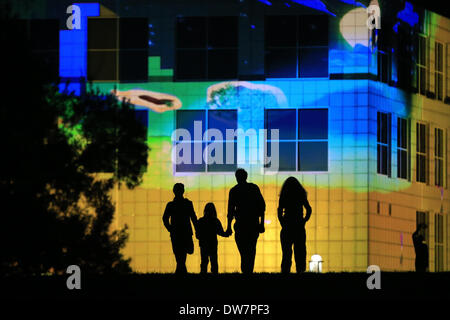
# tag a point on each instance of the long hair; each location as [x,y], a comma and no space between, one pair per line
[210,211]
[292,192]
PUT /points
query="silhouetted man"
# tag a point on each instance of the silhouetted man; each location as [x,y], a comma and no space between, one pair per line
[177,219]
[247,206]
[421,248]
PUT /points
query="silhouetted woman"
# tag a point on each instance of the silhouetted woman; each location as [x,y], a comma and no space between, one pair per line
[208,227]
[293,198]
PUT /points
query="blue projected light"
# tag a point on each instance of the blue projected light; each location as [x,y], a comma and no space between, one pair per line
[265,2]
[353,2]
[73,50]
[408,15]
[315,4]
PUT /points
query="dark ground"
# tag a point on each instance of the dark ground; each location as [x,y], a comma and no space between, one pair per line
[165,294]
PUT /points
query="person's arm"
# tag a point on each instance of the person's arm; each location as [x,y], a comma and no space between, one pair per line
[280,214]
[166,217]
[262,209]
[308,210]
[231,212]
[220,230]
[192,215]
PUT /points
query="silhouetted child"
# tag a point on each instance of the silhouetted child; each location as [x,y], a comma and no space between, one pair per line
[208,227]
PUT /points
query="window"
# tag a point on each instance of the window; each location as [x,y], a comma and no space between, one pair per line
[219,147]
[439,71]
[422,65]
[421,153]
[206,48]
[405,52]
[439,242]
[384,58]
[384,143]
[296,46]
[118,49]
[303,138]
[403,147]
[439,157]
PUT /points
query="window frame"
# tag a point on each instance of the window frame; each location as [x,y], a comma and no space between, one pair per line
[205,143]
[400,149]
[206,50]
[422,155]
[297,140]
[439,158]
[422,66]
[381,145]
[298,47]
[439,75]
[439,242]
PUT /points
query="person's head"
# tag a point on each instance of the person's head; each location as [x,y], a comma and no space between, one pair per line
[241,175]
[421,226]
[210,211]
[292,191]
[178,190]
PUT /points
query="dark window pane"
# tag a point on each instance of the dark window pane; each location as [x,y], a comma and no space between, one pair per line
[402,164]
[281,63]
[285,157]
[421,167]
[222,32]
[102,33]
[133,65]
[402,133]
[191,32]
[222,64]
[313,30]
[281,31]
[133,33]
[282,120]
[382,127]
[421,138]
[222,120]
[313,124]
[313,156]
[44,34]
[193,156]
[191,64]
[382,159]
[186,118]
[313,62]
[225,166]
[102,66]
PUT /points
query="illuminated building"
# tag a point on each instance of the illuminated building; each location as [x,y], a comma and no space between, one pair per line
[363,117]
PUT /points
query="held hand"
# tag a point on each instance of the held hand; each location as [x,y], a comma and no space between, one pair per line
[261,228]
[228,232]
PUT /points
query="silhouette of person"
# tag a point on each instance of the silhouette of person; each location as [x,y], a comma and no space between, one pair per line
[208,227]
[177,219]
[421,248]
[293,198]
[247,206]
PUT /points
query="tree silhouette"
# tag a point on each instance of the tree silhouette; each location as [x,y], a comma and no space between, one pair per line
[57,209]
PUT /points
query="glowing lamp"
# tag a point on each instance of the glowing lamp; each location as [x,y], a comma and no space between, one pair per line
[315,264]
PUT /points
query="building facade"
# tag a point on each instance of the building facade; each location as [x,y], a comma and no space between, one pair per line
[361,108]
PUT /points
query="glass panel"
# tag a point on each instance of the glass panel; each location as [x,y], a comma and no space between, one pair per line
[223,32]
[195,162]
[133,65]
[185,120]
[313,124]
[313,30]
[313,156]
[222,120]
[286,157]
[284,121]
[102,34]
[191,64]
[224,167]
[222,64]
[281,63]
[102,65]
[191,32]
[313,62]
[281,31]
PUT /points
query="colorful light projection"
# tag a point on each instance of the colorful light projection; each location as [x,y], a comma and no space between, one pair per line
[73,50]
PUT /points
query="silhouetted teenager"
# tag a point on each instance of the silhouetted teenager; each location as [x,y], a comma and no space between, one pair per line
[421,248]
[247,206]
[177,219]
[293,198]
[208,227]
